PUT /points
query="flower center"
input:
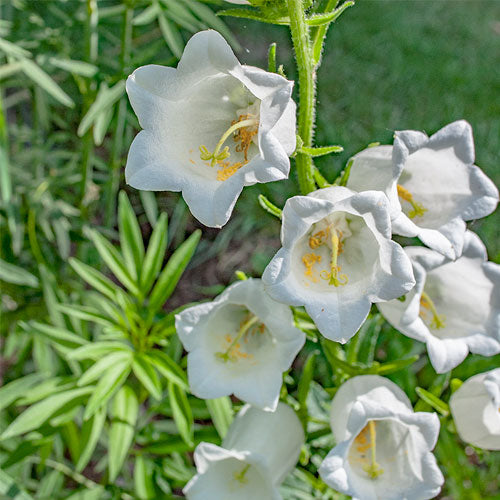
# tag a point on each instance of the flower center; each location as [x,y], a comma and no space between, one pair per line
[243,130]
[367,440]
[438,321]
[240,476]
[417,210]
[332,237]
[233,352]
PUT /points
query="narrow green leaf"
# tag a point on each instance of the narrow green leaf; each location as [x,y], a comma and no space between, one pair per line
[10,69]
[85,313]
[254,15]
[124,413]
[39,413]
[271,58]
[107,386]
[221,411]
[150,205]
[436,403]
[101,125]
[95,278]
[393,366]
[13,49]
[172,272]
[155,254]
[305,380]
[130,236]
[322,19]
[14,390]
[344,176]
[321,151]
[39,77]
[182,412]
[91,432]
[147,16]
[270,207]
[171,35]
[113,259]
[143,478]
[76,67]
[104,100]
[17,275]
[98,368]
[9,489]
[147,375]
[98,349]
[61,336]
[168,368]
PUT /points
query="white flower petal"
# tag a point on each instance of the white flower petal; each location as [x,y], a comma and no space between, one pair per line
[475,407]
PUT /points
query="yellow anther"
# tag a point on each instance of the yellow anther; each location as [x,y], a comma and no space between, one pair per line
[373,469]
[244,135]
[318,238]
[227,170]
[240,476]
[438,320]
[309,259]
[418,210]
[233,352]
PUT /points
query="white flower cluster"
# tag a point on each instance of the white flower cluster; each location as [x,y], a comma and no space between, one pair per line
[213,126]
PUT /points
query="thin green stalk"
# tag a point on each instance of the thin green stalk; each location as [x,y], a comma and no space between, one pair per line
[116,151]
[307,91]
[91,52]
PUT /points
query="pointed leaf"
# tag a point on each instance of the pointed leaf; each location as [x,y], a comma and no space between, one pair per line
[172,272]
[91,432]
[14,390]
[182,413]
[17,275]
[147,375]
[221,411]
[98,368]
[124,416]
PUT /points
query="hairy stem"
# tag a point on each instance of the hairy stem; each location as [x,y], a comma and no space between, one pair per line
[307,91]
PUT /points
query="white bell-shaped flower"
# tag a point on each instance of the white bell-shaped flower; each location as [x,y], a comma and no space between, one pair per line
[337,258]
[260,449]
[431,182]
[211,127]
[383,447]
[241,343]
[454,307]
[475,407]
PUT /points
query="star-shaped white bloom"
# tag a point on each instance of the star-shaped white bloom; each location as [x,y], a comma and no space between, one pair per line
[431,182]
[454,307]
[211,127]
[383,447]
[241,343]
[475,407]
[337,258]
[260,449]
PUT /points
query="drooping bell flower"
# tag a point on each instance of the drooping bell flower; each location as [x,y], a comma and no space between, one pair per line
[454,307]
[431,182]
[211,127]
[337,258]
[241,343]
[260,449]
[383,447]
[475,407]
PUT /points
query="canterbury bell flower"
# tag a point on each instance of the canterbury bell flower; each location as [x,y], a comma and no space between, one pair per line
[241,343]
[454,307]
[475,407]
[383,447]
[211,127]
[337,258]
[431,182]
[258,452]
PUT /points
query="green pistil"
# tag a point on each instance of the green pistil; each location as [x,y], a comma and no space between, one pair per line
[217,156]
[374,470]
[240,476]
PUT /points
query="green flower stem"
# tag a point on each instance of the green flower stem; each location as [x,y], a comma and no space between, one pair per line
[91,52]
[307,92]
[117,148]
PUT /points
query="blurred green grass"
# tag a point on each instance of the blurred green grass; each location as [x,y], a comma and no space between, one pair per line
[400,64]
